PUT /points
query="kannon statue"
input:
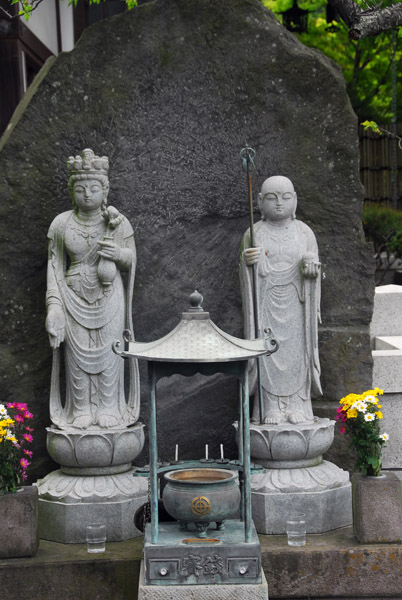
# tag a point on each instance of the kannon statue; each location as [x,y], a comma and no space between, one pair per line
[89,303]
[288,292]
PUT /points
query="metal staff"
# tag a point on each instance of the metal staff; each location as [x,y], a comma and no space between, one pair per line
[248,154]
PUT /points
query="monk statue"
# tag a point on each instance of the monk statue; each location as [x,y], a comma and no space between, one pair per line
[288,292]
[89,303]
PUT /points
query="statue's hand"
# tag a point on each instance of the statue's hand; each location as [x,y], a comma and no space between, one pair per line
[310,267]
[109,250]
[55,325]
[252,255]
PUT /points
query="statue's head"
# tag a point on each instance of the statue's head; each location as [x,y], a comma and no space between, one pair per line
[88,167]
[278,199]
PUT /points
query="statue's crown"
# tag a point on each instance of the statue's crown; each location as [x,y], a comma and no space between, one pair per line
[88,163]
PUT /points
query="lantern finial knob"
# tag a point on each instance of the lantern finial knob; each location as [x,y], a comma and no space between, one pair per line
[195,302]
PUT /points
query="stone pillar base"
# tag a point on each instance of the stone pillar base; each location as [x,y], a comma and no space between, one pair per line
[19,523]
[323,493]
[377,508]
[112,500]
[238,591]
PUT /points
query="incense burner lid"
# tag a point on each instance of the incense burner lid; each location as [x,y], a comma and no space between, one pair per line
[196,338]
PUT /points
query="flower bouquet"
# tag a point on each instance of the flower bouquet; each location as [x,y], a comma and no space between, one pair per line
[14,437]
[360,417]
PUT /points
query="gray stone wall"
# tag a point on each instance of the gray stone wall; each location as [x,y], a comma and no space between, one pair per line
[171,92]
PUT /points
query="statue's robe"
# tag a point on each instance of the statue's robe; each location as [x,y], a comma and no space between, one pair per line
[288,305]
[96,317]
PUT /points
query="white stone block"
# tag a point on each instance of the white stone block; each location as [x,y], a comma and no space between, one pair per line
[387,314]
[387,370]
[391,424]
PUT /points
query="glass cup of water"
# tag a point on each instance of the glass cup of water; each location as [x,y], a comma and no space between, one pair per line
[296,530]
[96,537]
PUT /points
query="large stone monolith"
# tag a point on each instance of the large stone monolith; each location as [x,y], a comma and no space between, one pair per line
[171,92]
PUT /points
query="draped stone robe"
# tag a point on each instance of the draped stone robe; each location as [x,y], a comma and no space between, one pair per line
[289,306]
[95,317]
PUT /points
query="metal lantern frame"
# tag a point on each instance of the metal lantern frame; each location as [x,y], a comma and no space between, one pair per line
[197,345]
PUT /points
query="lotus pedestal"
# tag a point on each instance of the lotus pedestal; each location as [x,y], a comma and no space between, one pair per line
[297,479]
[95,484]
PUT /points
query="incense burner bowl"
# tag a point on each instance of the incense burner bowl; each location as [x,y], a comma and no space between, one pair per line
[201,496]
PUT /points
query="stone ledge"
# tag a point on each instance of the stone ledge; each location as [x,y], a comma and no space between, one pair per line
[331,566]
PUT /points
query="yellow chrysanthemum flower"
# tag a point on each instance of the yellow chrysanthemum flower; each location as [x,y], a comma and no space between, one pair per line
[379,414]
[352,413]
[375,392]
[349,400]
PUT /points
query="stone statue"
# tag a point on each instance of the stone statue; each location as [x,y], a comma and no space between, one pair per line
[288,291]
[89,303]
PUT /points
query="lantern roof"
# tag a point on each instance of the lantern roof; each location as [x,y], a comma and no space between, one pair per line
[197,339]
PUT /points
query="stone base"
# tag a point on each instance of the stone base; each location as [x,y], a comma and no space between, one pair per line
[239,591]
[325,509]
[377,508]
[182,558]
[19,523]
[112,500]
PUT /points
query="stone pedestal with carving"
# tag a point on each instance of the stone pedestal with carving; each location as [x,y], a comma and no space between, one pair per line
[95,484]
[297,479]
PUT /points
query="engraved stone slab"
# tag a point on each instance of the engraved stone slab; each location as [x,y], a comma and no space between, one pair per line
[239,591]
[180,557]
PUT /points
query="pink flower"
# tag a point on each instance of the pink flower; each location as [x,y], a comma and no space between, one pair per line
[28,415]
[342,430]
[24,463]
[11,405]
[21,406]
[28,453]
[19,419]
[28,437]
[24,476]
[29,429]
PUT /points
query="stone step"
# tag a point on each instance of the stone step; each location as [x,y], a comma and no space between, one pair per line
[331,565]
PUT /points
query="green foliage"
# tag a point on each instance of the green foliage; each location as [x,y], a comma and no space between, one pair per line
[371,126]
[383,226]
[366,64]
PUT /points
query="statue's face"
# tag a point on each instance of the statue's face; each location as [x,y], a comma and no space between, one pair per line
[88,194]
[277,199]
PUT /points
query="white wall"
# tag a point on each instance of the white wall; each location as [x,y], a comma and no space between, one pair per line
[67,25]
[43,24]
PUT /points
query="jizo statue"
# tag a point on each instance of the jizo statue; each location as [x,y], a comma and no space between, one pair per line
[89,303]
[288,292]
